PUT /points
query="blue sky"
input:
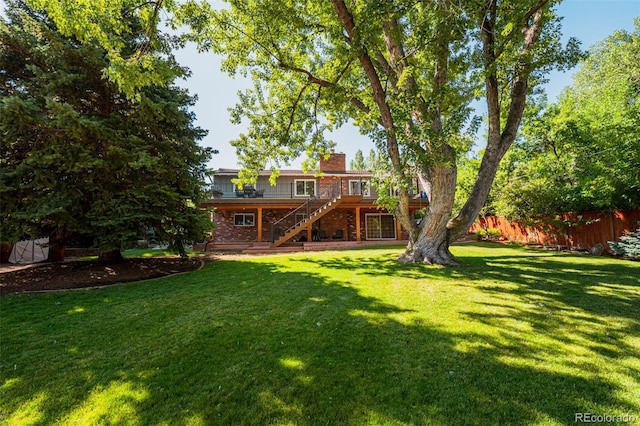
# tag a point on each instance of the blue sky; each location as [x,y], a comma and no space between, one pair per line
[587,20]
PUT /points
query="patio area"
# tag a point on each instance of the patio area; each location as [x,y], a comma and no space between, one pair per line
[264,247]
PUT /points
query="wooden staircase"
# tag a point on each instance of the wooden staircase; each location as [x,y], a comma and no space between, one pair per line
[313,217]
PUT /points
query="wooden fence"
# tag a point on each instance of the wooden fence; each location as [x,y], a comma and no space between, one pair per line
[581,230]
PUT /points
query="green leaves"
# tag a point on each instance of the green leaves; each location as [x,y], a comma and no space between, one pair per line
[79,157]
[109,24]
[581,153]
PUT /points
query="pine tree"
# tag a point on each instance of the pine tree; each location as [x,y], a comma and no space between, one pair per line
[358,162]
[79,157]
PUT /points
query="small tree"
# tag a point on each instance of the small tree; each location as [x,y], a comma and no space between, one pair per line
[628,246]
[358,162]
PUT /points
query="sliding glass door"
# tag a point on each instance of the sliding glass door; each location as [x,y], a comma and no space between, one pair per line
[380,226]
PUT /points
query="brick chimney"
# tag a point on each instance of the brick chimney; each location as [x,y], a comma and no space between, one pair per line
[337,162]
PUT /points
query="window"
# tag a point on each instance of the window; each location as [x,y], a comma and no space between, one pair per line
[305,188]
[359,187]
[244,219]
[380,227]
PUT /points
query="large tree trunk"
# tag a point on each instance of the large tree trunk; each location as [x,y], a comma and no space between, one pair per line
[431,242]
[108,257]
[56,246]
[487,173]
[434,237]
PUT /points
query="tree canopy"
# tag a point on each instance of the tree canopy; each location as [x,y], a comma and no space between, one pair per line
[404,72]
[130,66]
[581,153]
[78,156]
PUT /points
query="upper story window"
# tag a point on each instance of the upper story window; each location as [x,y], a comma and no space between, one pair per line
[305,187]
[360,187]
[244,219]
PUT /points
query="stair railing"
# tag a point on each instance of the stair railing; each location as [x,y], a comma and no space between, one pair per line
[289,222]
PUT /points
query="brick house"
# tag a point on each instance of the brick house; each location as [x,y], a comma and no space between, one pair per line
[337,206]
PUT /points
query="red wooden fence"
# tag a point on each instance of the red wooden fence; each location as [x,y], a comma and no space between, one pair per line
[592,228]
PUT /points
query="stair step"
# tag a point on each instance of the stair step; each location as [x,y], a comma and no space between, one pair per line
[330,205]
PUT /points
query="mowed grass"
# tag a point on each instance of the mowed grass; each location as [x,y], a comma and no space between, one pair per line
[516,336]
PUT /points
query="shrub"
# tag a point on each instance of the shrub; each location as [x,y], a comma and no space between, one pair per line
[628,246]
[490,234]
[494,234]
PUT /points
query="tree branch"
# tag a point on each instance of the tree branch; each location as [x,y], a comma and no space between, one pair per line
[146,46]
[379,96]
[294,106]
[499,142]
[310,77]
[325,83]
[520,84]
[487,27]
[531,12]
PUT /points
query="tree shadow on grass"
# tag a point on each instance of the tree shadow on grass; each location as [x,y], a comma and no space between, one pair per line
[247,343]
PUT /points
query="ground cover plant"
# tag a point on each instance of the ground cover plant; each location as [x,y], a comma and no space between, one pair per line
[516,336]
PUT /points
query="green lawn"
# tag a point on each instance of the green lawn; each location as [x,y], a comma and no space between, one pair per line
[516,336]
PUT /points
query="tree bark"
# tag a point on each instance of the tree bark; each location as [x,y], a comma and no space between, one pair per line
[56,253]
[56,246]
[109,257]
[431,244]
[499,141]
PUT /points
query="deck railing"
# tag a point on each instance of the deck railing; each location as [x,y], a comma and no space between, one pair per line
[283,191]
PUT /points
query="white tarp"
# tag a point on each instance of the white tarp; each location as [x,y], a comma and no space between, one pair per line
[30,251]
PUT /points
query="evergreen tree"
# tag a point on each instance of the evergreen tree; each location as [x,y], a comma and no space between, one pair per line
[628,246]
[77,156]
[358,162]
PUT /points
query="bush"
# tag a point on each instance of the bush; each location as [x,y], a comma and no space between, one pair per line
[628,246]
[494,234]
[490,234]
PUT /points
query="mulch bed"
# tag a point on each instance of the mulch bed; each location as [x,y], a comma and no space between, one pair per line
[74,274]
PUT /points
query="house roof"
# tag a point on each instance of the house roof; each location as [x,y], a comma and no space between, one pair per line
[234,172]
